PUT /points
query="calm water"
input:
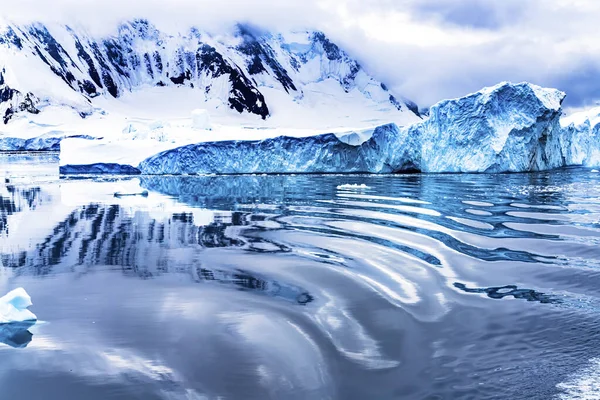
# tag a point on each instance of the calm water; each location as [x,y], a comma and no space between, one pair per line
[301,287]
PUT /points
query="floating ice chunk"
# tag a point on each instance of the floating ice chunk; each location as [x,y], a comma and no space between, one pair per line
[13,307]
[200,119]
[504,128]
[353,186]
[595,171]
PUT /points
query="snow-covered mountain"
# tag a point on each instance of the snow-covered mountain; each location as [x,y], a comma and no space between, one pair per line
[259,74]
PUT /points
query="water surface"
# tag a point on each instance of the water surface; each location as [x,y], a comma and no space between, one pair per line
[301,287]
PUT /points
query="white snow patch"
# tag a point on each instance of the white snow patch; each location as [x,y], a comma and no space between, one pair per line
[200,119]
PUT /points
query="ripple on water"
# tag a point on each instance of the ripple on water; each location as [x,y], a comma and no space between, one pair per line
[583,384]
[411,286]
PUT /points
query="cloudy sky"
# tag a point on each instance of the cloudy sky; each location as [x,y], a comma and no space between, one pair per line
[426,50]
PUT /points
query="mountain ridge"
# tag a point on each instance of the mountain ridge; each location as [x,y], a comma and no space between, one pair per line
[234,70]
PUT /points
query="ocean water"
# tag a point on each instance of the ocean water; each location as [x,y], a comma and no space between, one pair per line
[301,287]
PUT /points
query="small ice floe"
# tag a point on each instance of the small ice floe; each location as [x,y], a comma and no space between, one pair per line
[143,194]
[353,186]
[594,171]
[13,307]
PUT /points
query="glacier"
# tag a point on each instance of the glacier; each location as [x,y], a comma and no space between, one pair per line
[504,128]
[13,307]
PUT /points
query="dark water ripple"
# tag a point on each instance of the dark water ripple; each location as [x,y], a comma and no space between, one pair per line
[324,287]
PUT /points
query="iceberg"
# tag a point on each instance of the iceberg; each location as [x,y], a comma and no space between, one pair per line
[580,138]
[13,307]
[504,128]
[353,186]
[386,151]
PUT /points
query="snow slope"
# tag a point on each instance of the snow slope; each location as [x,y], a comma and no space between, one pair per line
[59,78]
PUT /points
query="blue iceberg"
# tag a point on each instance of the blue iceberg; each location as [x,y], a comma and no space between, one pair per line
[504,128]
[385,151]
[14,307]
[580,138]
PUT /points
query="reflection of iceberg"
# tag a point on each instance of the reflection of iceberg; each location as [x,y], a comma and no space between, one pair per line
[13,307]
[15,318]
[16,334]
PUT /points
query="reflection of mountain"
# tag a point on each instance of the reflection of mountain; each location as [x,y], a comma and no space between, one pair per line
[16,334]
[145,245]
[109,235]
[15,201]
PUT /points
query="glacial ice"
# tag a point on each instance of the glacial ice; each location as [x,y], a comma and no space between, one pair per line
[48,142]
[580,138]
[13,307]
[384,152]
[504,128]
[99,168]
